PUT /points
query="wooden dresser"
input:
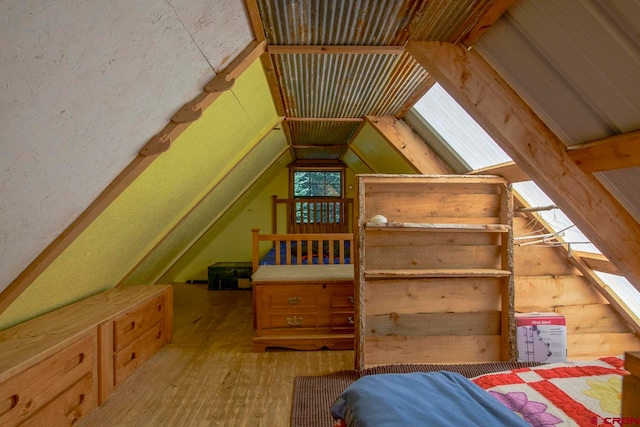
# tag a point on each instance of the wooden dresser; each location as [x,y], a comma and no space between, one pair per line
[58,367]
[304,316]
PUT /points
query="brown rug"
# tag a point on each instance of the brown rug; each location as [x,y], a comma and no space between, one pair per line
[313,396]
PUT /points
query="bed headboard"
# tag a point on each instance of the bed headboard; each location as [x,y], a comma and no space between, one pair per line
[296,244]
[313,214]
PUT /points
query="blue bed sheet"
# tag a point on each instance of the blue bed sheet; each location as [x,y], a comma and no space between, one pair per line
[270,257]
[421,399]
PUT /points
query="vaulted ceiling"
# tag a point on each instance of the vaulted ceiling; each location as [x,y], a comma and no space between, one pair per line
[128,130]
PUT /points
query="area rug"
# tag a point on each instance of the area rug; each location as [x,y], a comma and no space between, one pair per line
[313,396]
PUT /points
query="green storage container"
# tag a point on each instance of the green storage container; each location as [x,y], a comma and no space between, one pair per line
[230,275]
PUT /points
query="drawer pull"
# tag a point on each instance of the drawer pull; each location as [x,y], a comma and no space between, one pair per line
[74,362]
[351,299]
[350,320]
[159,335]
[159,307]
[294,300]
[75,414]
[133,325]
[294,321]
[9,404]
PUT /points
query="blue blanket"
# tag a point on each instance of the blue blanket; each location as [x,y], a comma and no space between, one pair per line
[421,399]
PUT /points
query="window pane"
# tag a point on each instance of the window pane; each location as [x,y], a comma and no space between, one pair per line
[459,129]
[317,183]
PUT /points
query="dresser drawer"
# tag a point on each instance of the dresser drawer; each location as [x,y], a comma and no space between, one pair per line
[343,301]
[287,300]
[131,357]
[24,394]
[68,408]
[293,321]
[130,325]
[344,322]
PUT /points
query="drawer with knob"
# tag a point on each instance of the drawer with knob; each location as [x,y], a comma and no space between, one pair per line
[131,357]
[132,324]
[26,393]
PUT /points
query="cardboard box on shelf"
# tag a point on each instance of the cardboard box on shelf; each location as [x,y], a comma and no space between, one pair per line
[541,337]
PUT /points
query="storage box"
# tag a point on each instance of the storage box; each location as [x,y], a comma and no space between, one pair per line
[541,337]
[230,275]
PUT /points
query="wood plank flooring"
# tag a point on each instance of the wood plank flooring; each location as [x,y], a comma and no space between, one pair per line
[208,375]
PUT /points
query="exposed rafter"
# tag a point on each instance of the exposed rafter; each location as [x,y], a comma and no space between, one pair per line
[597,262]
[616,152]
[409,145]
[508,170]
[335,50]
[490,16]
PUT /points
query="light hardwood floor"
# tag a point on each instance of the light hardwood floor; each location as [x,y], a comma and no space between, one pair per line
[208,375]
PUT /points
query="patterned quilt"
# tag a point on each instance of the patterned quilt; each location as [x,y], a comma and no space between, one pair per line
[561,394]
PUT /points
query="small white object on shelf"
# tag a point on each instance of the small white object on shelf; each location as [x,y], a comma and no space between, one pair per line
[378,219]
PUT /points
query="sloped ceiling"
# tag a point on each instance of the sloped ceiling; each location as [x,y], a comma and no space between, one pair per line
[90,89]
[85,85]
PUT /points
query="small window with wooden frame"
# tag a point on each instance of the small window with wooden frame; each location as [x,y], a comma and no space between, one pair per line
[316,200]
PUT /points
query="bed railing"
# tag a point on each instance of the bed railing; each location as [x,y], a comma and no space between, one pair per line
[305,245]
[314,215]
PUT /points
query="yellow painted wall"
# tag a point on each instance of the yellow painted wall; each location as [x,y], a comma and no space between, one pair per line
[380,156]
[138,219]
[230,239]
[238,187]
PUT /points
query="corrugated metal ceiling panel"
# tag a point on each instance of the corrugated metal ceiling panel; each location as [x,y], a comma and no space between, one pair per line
[338,22]
[354,85]
[322,132]
[333,85]
[579,71]
[623,184]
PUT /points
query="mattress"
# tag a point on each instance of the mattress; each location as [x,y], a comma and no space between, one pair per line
[303,273]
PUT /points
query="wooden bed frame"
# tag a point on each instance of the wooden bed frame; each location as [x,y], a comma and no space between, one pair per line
[328,214]
[312,310]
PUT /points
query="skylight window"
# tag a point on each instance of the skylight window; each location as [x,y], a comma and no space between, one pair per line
[459,130]
[554,218]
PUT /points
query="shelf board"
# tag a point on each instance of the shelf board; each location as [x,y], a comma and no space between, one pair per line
[415,226]
[434,272]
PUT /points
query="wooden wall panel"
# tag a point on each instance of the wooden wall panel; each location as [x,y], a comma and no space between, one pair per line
[434,349]
[434,324]
[589,346]
[545,281]
[432,295]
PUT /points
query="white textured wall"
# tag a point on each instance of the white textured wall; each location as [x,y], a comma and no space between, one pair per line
[84,85]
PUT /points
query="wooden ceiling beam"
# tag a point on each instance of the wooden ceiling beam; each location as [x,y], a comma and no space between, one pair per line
[508,170]
[615,152]
[409,145]
[324,119]
[334,50]
[490,16]
[255,20]
[597,262]
[480,90]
